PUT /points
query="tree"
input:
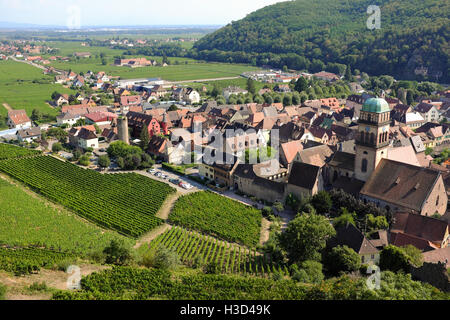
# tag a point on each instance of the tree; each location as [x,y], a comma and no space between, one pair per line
[251,86]
[348,73]
[287,100]
[376,223]
[344,219]
[76,155]
[104,161]
[173,108]
[84,160]
[395,259]
[54,95]
[117,253]
[322,202]
[215,91]
[341,259]
[409,97]
[56,147]
[36,115]
[104,62]
[310,272]
[301,85]
[305,237]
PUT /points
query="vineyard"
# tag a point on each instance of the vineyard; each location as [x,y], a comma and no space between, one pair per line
[29,220]
[140,284]
[29,260]
[9,151]
[218,216]
[126,203]
[229,258]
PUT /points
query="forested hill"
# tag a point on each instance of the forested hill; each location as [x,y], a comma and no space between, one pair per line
[306,34]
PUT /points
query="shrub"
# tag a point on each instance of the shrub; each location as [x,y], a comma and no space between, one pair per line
[342,259]
[117,253]
[56,147]
[310,272]
[166,258]
[322,202]
[2,291]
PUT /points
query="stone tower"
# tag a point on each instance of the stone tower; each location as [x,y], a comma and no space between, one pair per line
[372,138]
[122,129]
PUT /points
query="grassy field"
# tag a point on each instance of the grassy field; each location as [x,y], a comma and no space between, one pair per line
[25,87]
[181,72]
[218,216]
[221,84]
[27,220]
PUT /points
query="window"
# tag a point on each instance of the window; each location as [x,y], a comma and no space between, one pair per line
[372,257]
[364,165]
[362,259]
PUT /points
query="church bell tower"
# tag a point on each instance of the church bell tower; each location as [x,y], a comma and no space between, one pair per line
[372,138]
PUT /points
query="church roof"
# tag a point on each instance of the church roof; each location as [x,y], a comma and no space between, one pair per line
[400,183]
[376,105]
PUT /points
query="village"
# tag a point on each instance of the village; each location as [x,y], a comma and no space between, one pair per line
[376,149]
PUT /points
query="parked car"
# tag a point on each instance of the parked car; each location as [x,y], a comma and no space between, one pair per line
[174,181]
[185,185]
[158,174]
[152,171]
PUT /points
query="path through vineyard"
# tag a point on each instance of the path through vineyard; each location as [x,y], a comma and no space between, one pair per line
[148,237]
[265,231]
[17,286]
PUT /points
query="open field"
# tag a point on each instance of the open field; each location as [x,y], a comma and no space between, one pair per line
[30,220]
[126,203]
[190,71]
[25,87]
[218,216]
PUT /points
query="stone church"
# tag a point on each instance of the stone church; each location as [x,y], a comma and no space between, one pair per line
[370,173]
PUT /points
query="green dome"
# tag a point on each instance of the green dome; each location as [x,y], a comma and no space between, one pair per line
[376,105]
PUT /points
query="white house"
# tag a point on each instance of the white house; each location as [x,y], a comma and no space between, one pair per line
[191,96]
[28,135]
[18,119]
[67,118]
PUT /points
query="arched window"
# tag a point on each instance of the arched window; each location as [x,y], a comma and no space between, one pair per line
[367,138]
[364,165]
[372,138]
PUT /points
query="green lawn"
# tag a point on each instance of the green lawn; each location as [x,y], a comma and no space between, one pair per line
[26,220]
[26,87]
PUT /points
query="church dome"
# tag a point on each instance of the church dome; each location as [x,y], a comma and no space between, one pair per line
[376,105]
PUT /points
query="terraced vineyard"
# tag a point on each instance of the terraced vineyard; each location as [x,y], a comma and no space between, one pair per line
[218,216]
[230,258]
[126,203]
[28,260]
[9,151]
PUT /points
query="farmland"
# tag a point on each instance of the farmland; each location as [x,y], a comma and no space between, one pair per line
[229,258]
[28,260]
[180,72]
[25,87]
[8,151]
[126,203]
[26,220]
[218,216]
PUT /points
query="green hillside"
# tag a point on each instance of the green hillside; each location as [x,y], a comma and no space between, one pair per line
[305,34]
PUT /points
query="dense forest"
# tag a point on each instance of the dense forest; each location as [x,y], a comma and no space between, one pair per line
[308,35]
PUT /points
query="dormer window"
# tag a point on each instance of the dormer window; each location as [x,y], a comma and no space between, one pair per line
[397,181]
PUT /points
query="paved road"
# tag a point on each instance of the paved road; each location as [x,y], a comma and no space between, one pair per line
[27,62]
[203,80]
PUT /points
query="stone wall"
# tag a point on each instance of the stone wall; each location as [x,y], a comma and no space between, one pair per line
[433,273]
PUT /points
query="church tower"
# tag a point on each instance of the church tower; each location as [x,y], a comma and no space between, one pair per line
[372,138]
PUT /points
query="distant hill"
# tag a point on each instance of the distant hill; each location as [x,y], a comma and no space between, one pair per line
[306,34]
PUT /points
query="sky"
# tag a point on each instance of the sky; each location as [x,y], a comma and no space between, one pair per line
[128,12]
